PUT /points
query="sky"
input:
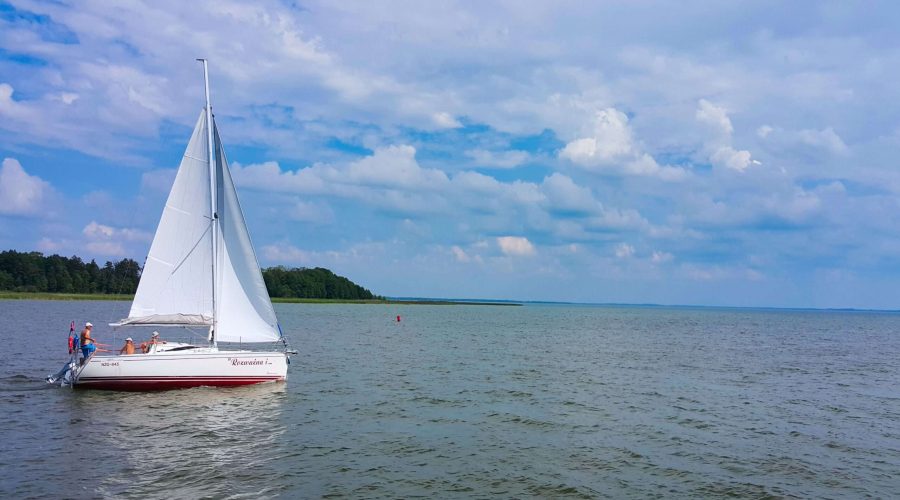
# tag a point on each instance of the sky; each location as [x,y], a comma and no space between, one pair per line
[704,153]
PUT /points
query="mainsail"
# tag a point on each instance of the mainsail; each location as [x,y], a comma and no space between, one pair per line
[176,286]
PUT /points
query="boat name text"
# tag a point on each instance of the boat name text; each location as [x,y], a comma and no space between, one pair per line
[248,362]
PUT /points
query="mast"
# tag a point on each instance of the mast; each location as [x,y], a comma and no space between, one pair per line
[212,200]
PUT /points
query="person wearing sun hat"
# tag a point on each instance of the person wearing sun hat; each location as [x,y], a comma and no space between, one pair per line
[128,348]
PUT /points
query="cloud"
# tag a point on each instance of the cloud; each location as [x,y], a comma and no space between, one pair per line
[515,246]
[715,116]
[503,159]
[563,194]
[286,254]
[48,245]
[728,157]
[824,140]
[719,147]
[460,254]
[106,248]
[42,120]
[314,212]
[624,251]
[659,257]
[445,120]
[94,230]
[22,194]
[610,140]
[391,167]
[104,232]
[611,147]
[12,110]
[158,181]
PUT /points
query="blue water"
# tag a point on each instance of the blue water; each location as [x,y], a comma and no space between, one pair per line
[477,401]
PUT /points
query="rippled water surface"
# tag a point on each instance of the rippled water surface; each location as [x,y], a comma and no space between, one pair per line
[477,401]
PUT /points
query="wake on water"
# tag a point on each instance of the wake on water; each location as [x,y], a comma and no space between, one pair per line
[23,383]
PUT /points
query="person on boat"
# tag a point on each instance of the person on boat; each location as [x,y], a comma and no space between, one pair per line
[128,348]
[87,343]
[154,339]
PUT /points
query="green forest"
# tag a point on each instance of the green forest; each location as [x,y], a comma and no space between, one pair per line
[34,272]
[318,283]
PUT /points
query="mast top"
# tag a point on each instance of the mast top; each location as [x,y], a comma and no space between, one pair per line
[205,81]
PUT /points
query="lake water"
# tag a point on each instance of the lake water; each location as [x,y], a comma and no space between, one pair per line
[477,401]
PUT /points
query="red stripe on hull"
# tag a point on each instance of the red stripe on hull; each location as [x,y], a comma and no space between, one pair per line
[165,383]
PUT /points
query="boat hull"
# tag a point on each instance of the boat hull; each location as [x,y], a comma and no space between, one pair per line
[162,371]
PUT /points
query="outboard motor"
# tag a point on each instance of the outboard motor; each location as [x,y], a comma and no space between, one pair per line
[66,375]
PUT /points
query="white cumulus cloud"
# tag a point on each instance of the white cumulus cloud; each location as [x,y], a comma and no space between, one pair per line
[445,120]
[728,157]
[21,194]
[610,146]
[610,140]
[515,245]
[715,116]
[719,148]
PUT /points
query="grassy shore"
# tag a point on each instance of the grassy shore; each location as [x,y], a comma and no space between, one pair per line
[6,295]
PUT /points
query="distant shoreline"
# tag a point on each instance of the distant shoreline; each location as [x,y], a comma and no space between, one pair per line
[7,295]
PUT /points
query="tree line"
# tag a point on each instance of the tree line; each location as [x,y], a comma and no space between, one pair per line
[317,283]
[34,272]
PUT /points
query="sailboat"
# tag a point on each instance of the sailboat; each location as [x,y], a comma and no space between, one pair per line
[201,274]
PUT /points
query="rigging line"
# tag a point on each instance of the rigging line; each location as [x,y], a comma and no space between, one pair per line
[191,251]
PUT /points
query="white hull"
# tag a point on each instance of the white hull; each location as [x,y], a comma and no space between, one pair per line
[181,368]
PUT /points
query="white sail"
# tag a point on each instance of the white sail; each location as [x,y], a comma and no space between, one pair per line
[244,310]
[176,282]
[176,286]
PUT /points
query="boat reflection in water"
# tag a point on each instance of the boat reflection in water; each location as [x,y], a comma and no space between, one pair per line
[201,442]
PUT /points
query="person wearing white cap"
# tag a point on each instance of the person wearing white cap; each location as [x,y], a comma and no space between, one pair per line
[154,339]
[87,343]
[128,348]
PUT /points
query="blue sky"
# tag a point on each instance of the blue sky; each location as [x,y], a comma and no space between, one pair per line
[717,153]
